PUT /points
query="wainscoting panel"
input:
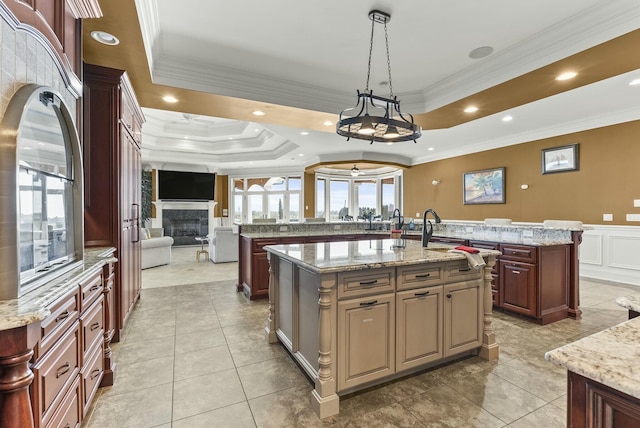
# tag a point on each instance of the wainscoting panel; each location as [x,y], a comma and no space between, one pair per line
[611,253]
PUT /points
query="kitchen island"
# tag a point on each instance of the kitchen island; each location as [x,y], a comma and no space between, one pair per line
[358,313]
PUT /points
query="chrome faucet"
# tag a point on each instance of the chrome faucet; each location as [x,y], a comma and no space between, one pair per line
[400,222]
[427,233]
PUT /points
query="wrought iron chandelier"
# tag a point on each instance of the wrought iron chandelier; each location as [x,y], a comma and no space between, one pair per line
[375,118]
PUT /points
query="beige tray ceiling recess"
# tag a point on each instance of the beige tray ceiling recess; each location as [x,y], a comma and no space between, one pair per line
[301,63]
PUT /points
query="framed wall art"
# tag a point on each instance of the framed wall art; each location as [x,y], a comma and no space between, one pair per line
[560,159]
[484,187]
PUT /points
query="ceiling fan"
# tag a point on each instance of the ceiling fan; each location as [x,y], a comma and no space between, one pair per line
[355,171]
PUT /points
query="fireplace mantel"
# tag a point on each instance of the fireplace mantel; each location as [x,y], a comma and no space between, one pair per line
[183,205]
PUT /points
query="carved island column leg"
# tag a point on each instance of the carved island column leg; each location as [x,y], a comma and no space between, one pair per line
[270,329]
[15,378]
[574,277]
[490,349]
[325,401]
[109,364]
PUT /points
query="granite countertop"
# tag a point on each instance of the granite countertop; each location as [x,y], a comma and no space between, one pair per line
[33,306]
[607,357]
[365,254]
[629,302]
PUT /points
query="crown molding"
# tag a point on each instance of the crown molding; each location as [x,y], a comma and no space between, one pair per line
[149,27]
[583,124]
[365,156]
[604,21]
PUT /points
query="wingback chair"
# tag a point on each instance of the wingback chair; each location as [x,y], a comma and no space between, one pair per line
[223,244]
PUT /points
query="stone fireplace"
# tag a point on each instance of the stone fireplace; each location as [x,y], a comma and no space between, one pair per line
[184,221]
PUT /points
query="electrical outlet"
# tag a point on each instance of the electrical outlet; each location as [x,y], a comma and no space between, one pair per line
[336,227]
[607,217]
[417,215]
[469,229]
[527,233]
[283,228]
[633,217]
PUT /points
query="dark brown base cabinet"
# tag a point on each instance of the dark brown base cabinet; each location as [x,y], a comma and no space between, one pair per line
[594,405]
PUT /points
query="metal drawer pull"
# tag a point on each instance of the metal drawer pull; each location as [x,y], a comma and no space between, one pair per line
[421,294]
[95,326]
[63,369]
[368,282]
[95,374]
[371,303]
[94,288]
[424,275]
[63,315]
[68,425]
[515,272]
[464,270]
[449,296]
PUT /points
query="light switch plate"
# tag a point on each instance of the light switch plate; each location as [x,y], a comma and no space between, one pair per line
[633,217]
[527,233]
[468,229]
[283,228]
[417,215]
[607,217]
[636,203]
[336,227]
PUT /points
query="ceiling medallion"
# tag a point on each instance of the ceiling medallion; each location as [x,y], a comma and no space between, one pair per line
[375,118]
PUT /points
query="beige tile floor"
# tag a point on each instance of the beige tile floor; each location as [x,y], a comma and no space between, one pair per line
[193,355]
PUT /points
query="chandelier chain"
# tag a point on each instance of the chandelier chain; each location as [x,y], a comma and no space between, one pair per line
[386,40]
[373,23]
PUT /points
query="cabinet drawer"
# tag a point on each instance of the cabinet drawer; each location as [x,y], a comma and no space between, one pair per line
[365,282]
[460,271]
[418,276]
[64,312]
[90,290]
[257,244]
[92,325]
[68,414]
[91,375]
[56,372]
[521,253]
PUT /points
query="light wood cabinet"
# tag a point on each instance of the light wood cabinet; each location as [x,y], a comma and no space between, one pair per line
[462,317]
[419,319]
[366,337]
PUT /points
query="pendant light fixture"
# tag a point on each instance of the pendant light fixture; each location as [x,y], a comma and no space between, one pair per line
[375,118]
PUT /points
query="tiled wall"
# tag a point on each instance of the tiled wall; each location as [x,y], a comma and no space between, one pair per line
[24,59]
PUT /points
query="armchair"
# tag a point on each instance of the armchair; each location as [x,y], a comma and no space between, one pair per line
[223,244]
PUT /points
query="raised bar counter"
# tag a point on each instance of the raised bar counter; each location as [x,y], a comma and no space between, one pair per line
[357,313]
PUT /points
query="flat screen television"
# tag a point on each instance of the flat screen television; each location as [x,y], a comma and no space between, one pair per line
[181,185]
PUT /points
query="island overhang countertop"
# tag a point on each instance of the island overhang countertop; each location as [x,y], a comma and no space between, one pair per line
[341,256]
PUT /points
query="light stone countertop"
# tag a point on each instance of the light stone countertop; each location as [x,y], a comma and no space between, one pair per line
[608,357]
[365,254]
[629,302]
[33,306]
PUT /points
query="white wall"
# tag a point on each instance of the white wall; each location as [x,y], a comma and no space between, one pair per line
[611,253]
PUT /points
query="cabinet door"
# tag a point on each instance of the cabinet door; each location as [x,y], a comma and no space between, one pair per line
[418,327]
[366,340]
[462,317]
[260,276]
[518,281]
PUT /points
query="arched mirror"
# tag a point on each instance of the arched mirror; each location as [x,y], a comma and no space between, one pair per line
[40,137]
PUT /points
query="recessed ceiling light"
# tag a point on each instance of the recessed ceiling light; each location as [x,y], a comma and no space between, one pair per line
[231,138]
[507,118]
[300,154]
[389,143]
[635,82]
[258,113]
[304,133]
[105,38]
[257,130]
[169,99]
[471,109]
[566,76]
[431,149]
[481,52]
[328,123]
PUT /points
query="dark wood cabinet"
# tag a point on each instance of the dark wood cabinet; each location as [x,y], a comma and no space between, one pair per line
[594,405]
[518,282]
[112,165]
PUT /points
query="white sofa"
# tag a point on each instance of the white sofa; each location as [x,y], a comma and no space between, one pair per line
[156,248]
[223,244]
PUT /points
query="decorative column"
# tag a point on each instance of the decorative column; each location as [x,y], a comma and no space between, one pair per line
[16,376]
[324,400]
[270,329]
[490,349]
[574,276]
[109,328]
